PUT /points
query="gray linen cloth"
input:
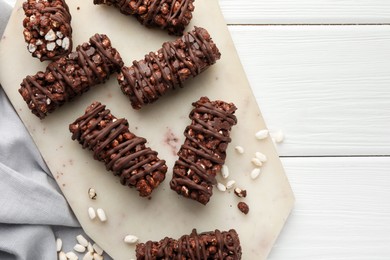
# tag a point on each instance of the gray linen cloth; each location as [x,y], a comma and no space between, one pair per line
[33,211]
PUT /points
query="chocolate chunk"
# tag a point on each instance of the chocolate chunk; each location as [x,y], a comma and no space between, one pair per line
[171,15]
[91,64]
[47,28]
[168,68]
[204,150]
[243,207]
[208,245]
[124,153]
[240,193]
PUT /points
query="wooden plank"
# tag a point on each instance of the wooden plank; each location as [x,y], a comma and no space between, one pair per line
[306,11]
[302,11]
[342,210]
[326,87]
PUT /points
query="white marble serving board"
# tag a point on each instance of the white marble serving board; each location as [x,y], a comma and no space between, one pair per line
[166,214]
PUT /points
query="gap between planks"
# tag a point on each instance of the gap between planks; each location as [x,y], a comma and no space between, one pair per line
[310,24]
[335,156]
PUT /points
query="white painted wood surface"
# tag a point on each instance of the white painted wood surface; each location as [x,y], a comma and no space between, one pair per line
[342,210]
[303,11]
[328,89]
[306,11]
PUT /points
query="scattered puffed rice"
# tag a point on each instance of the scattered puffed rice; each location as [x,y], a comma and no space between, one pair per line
[79,248]
[225,171]
[101,215]
[230,184]
[90,248]
[91,213]
[97,256]
[71,256]
[221,187]
[261,156]
[58,244]
[62,256]
[82,241]
[256,162]
[255,173]
[239,149]
[262,134]
[98,249]
[278,137]
[92,193]
[130,239]
[88,256]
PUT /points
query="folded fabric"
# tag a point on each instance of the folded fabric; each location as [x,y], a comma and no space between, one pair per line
[32,205]
[5,12]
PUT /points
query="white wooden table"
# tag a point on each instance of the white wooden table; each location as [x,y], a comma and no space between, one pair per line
[320,70]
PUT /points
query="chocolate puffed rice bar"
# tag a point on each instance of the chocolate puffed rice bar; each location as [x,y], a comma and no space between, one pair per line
[123,153]
[171,15]
[91,64]
[47,28]
[223,245]
[166,69]
[204,150]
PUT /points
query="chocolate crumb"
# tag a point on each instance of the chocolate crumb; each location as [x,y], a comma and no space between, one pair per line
[92,193]
[240,193]
[243,207]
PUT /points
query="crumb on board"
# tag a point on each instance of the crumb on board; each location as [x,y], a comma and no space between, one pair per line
[243,207]
[240,192]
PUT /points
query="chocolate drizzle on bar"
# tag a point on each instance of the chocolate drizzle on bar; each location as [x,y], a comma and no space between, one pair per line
[208,245]
[171,15]
[168,68]
[91,64]
[124,153]
[47,28]
[204,150]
